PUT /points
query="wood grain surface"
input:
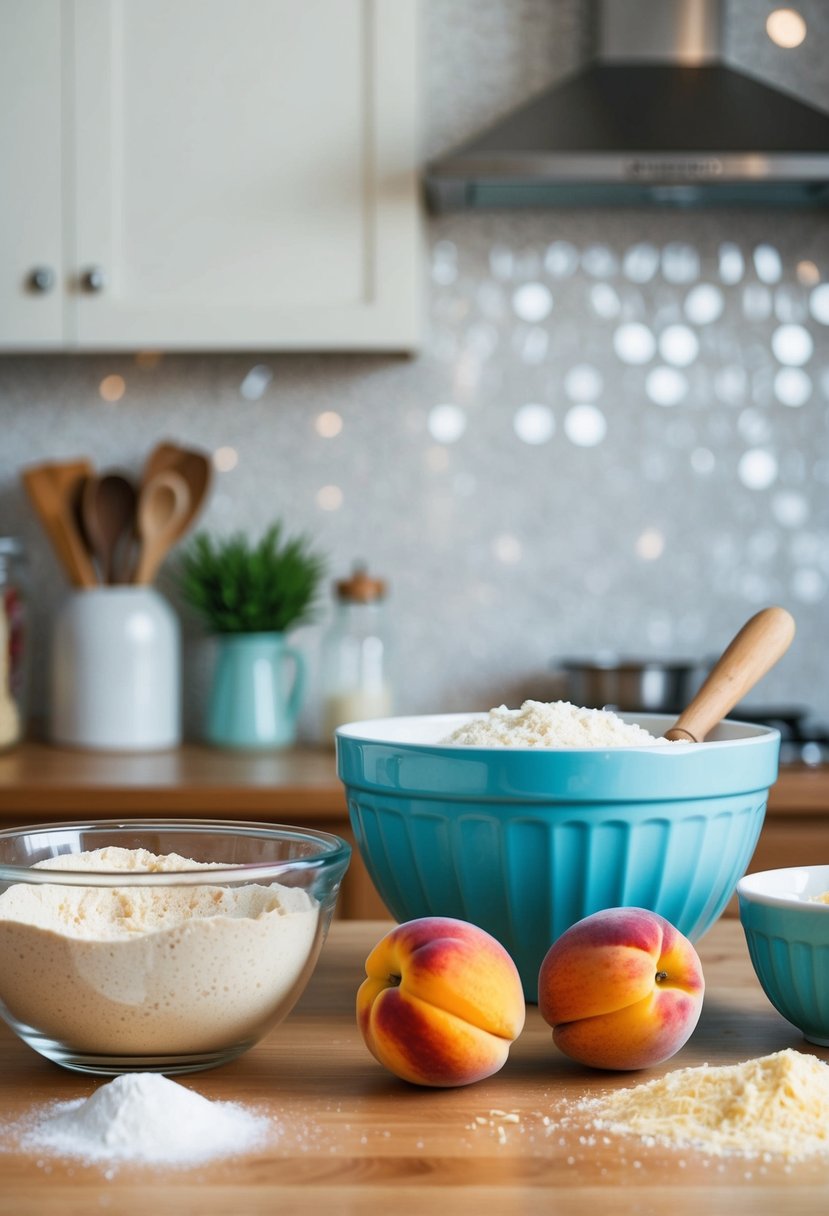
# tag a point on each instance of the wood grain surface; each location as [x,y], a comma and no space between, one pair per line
[38,780]
[351,1138]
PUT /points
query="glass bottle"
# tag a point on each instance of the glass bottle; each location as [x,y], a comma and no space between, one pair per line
[14,641]
[356,680]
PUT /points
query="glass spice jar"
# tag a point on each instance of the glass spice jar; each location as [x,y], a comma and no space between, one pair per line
[356,679]
[14,648]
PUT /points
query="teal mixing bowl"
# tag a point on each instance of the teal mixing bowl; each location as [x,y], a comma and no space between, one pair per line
[788,939]
[526,841]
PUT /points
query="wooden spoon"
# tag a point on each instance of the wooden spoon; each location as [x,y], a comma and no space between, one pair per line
[756,648]
[163,502]
[108,514]
[53,489]
[195,467]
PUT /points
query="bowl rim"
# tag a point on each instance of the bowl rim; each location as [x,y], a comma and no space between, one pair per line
[370,731]
[750,888]
[335,852]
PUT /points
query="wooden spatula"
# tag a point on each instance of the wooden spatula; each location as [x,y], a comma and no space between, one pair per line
[54,489]
[754,651]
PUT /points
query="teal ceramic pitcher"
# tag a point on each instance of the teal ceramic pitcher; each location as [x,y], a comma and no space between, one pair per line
[256,692]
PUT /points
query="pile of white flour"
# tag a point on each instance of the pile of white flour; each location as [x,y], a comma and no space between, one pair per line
[144,1118]
[551,724]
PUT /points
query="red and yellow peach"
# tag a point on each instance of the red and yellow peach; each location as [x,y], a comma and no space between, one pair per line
[622,989]
[441,1002]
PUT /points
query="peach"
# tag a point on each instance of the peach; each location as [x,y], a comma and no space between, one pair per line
[441,1002]
[622,989]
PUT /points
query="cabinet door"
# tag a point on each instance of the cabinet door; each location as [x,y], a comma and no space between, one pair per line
[245,174]
[31,260]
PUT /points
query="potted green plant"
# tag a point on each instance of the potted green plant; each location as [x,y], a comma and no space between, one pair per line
[249,596]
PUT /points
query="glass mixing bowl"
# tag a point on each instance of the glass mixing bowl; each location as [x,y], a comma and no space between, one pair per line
[145,968]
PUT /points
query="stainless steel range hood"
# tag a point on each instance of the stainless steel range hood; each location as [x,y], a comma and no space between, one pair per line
[658,117]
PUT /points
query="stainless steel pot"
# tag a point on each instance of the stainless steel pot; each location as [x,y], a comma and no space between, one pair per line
[631,684]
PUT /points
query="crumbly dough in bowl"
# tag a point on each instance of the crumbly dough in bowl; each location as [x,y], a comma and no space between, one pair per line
[152,970]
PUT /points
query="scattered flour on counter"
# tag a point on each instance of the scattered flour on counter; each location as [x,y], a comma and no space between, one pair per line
[147,1119]
[551,724]
[777,1104]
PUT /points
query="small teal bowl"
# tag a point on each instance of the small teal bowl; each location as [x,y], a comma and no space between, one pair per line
[526,841]
[788,940]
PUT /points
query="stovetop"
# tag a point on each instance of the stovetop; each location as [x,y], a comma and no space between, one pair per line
[803,738]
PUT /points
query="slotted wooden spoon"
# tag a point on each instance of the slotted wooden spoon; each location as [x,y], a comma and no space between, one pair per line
[760,643]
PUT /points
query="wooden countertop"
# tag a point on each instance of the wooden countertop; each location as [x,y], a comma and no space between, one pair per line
[63,782]
[42,780]
[356,1140]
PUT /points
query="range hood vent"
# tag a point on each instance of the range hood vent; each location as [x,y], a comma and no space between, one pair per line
[657,118]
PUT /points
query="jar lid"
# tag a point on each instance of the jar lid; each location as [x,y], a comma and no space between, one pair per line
[360,588]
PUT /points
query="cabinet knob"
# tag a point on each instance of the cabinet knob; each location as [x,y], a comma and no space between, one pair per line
[41,279]
[94,279]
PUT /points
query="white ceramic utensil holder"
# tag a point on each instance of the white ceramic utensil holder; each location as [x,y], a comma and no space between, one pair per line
[116,671]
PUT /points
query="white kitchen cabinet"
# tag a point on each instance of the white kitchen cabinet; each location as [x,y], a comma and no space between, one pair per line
[225,174]
[31,237]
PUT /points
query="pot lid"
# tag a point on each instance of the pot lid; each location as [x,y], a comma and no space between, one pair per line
[624,664]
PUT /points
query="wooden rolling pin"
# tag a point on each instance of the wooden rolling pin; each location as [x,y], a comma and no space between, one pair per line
[760,643]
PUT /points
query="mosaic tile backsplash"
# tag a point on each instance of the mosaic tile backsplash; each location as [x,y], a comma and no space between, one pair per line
[616,437]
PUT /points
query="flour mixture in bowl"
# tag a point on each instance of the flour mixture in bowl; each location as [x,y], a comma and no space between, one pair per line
[124,957]
[551,724]
[527,832]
